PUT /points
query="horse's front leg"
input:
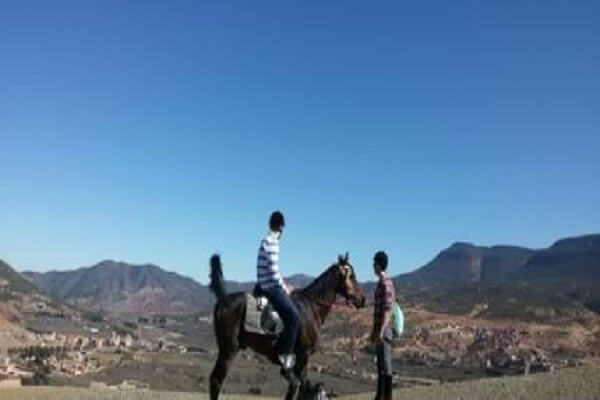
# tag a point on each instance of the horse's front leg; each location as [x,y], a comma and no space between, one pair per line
[300,370]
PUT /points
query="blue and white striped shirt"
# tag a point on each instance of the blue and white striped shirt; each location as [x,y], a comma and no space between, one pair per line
[267,271]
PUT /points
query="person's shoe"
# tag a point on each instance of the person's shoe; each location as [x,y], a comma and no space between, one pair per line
[387,393]
[380,386]
[287,362]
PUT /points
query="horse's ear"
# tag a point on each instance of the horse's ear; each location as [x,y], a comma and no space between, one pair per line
[346,257]
[340,259]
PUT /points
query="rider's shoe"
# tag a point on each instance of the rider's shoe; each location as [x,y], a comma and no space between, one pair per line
[287,362]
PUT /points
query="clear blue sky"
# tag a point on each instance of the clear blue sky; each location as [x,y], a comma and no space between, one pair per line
[159,132]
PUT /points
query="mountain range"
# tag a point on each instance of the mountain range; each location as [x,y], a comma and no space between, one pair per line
[502,281]
[562,280]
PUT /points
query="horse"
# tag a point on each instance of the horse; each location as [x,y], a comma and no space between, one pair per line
[314,303]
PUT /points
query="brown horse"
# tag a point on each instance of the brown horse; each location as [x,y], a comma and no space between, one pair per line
[314,303]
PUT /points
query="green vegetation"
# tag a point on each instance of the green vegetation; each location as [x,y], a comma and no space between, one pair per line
[6,296]
[130,325]
[92,316]
[36,360]
[124,331]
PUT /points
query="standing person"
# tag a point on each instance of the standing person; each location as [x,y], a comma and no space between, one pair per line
[278,293]
[382,334]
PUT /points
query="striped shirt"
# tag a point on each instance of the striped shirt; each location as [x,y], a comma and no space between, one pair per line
[267,271]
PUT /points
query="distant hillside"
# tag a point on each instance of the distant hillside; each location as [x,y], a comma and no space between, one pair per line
[11,280]
[465,263]
[124,288]
[570,267]
[21,302]
[573,258]
[121,287]
[510,282]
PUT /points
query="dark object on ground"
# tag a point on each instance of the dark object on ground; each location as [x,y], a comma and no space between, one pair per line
[314,391]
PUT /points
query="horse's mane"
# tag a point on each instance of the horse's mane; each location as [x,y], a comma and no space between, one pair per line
[321,283]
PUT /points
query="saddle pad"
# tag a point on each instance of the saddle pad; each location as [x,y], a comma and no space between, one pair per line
[252,322]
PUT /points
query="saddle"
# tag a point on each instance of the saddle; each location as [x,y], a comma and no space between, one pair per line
[261,317]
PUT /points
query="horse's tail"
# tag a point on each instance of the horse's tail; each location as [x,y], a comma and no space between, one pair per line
[217,282]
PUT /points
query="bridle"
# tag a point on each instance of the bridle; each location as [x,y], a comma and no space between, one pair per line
[344,291]
[340,289]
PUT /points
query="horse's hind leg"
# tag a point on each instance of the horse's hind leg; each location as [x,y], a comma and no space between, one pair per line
[227,325]
[220,372]
[227,319]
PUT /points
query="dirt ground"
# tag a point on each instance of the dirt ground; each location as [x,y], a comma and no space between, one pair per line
[436,348]
[569,384]
[190,373]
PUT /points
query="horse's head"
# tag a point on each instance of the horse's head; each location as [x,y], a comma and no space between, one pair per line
[348,286]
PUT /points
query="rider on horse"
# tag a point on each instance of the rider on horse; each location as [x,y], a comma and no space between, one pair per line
[273,287]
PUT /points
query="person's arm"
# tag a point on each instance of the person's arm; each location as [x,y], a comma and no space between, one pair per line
[285,286]
[387,316]
[374,338]
[388,302]
[377,318]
